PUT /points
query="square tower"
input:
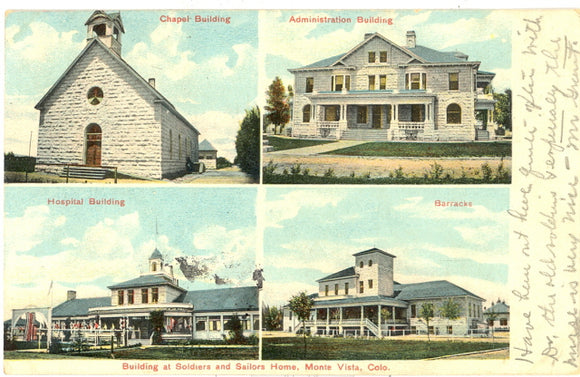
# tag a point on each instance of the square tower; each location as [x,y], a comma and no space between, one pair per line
[374,268]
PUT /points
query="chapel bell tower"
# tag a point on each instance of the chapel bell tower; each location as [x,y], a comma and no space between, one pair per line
[108,27]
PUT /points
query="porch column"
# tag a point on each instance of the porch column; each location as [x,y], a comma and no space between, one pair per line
[362,316]
[222,324]
[193,325]
[380,332]
[207,326]
[340,328]
[327,320]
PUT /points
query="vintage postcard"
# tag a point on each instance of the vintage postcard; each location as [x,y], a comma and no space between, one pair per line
[414,210]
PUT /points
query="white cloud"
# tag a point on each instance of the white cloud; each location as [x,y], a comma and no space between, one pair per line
[323,255]
[489,255]
[481,235]
[278,294]
[291,203]
[70,241]
[25,232]
[39,45]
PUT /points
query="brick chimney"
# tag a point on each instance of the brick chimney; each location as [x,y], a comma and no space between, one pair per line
[152,82]
[411,39]
[71,295]
[368,35]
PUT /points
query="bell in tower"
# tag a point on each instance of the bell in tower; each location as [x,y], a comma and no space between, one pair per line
[107,27]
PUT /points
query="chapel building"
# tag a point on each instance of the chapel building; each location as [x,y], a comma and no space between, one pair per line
[101,113]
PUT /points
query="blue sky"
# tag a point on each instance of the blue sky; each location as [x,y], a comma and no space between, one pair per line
[207,70]
[311,233]
[86,248]
[484,35]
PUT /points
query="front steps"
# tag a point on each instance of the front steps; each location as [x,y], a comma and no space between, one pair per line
[83,172]
[365,134]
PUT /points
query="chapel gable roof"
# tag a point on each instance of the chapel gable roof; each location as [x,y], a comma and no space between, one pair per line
[96,43]
[235,299]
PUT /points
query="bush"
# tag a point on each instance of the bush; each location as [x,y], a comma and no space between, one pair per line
[486,172]
[329,173]
[18,163]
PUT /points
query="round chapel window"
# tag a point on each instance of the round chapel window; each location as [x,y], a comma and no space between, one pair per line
[95,95]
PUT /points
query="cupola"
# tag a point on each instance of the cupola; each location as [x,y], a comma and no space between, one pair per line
[107,27]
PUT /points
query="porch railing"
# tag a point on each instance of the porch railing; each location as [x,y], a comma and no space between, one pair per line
[411,125]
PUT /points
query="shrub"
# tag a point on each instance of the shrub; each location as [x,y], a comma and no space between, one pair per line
[399,172]
[270,168]
[486,172]
[306,172]
[436,171]
[295,169]
[329,173]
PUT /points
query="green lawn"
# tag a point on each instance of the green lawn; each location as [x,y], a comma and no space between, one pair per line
[282,143]
[152,353]
[403,149]
[364,349]
[288,179]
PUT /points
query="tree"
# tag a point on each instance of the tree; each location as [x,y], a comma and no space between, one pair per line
[503,109]
[451,310]
[222,162]
[491,317]
[157,317]
[248,143]
[301,305]
[426,313]
[278,108]
[272,317]
[235,331]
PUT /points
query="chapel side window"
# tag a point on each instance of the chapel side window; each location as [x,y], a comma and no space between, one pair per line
[130,297]
[309,84]
[454,81]
[383,56]
[144,296]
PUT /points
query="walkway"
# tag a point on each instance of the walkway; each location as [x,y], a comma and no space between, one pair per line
[316,149]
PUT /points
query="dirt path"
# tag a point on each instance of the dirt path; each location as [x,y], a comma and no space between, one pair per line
[231,175]
[382,166]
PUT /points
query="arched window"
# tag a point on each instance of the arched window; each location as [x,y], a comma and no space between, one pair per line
[370,262]
[362,264]
[153,267]
[453,114]
[306,110]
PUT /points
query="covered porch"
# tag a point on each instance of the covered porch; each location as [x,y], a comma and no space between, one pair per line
[373,115]
[383,317]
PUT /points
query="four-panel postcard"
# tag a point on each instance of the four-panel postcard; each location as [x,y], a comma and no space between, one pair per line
[291,192]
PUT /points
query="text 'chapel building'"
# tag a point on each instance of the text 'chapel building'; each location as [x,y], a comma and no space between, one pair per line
[382,91]
[102,113]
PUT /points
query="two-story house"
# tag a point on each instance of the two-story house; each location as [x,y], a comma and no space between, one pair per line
[365,300]
[379,90]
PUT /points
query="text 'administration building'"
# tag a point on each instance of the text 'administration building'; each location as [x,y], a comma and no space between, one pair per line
[381,91]
[101,112]
[187,314]
[365,300]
